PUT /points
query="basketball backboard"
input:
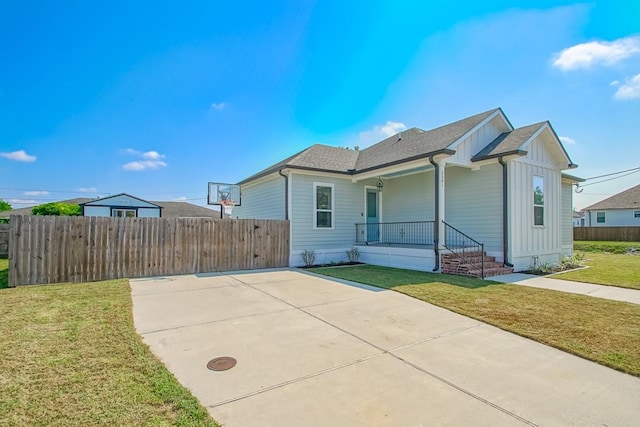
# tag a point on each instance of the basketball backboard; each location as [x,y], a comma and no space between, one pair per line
[219,191]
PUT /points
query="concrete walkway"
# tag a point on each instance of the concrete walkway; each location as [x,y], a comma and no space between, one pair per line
[556,283]
[316,352]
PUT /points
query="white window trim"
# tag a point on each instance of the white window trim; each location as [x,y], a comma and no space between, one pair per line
[604,217]
[544,210]
[113,210]
[333,206]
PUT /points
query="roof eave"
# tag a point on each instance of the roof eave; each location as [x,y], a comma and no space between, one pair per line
[445,151]
[497,155]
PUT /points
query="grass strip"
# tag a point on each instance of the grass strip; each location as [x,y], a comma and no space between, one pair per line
[622,270]
[599,246]
[596,329]
[70,356]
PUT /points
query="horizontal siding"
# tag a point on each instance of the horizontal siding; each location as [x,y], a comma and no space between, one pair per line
[264,200]
[408,198]
[473,203]
[348,210]
[615,218]
[567,214]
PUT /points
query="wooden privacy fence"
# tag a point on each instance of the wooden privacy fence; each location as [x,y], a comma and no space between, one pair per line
[612,234]
[4,240]
[51,249]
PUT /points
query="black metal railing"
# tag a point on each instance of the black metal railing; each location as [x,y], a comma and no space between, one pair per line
[411,233]
[465,248]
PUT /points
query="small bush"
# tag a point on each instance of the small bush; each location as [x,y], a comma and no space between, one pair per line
[308,257]
[610,247]
[353,254]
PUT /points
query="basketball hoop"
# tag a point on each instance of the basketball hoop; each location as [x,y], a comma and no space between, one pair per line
[227,206]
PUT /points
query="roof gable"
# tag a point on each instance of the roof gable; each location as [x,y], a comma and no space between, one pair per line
[122,199]
[627,199]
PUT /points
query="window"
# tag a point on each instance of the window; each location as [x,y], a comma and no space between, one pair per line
[636,214]
[323,205]
[538,200]
[122,213]
[600,217]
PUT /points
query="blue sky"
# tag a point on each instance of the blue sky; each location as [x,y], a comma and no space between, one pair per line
[156,99]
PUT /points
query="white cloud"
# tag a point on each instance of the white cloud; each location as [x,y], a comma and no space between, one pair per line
[87,190]
[151,160]
[36,193]
[19,156]
[629,90]
[144,164]
[152,155]
[218,105]
[585,55]
[380,132]
[180,199]
[567,140]
[614,83]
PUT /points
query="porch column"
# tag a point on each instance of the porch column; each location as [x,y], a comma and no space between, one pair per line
[440,208]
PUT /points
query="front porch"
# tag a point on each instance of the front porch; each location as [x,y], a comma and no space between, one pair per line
[412,244]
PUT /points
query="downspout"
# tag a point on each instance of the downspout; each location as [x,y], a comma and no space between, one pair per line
[505,212]
[286,194]
[436,230]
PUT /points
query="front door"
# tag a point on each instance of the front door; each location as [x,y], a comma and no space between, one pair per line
[373,229]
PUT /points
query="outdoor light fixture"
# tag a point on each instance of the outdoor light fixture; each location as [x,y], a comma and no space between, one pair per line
[379,184]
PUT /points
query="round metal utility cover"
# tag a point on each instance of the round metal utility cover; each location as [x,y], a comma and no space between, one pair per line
[221,363]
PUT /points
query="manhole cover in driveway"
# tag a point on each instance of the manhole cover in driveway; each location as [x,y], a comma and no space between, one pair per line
[221,363]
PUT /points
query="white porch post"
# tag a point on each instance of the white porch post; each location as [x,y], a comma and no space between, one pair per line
[441,187]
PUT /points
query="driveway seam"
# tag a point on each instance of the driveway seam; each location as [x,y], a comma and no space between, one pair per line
[425,371]
[215,321]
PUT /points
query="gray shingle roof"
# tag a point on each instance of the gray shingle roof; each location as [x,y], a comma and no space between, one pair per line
[404,146]
[628,199]
[508,142]
[416,142]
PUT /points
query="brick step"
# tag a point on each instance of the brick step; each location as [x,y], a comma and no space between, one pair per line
[490,272]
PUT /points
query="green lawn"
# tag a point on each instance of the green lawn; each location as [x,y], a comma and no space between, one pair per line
[598,246]
[611,269]
[70,355]
[600,330]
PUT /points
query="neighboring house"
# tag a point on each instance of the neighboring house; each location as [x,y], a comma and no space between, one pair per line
[403,199]
[121,205]
[619,210]
[169,209]
[578,219]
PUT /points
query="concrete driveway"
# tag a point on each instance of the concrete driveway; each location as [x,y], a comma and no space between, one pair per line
[317,352]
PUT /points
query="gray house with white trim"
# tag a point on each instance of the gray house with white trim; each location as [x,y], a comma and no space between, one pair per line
[619,210]
[477,184]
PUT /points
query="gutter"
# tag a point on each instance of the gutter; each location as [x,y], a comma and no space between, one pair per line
[436,231]
[505,212]
[286,194]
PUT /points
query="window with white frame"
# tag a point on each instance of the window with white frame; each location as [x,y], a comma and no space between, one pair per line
[323,205]
[600,218]
[538,200]
[636,214]
[123,213]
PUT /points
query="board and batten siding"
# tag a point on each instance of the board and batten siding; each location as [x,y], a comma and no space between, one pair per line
[528,240]
[567,218]
[473,204]
[329,244]
[475,142]
[262,200]
[408,198]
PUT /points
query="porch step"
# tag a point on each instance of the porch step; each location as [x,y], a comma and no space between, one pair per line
[471,265]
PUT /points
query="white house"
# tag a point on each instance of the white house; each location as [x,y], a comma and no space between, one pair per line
[475,184]
[121,205]
[619,210]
